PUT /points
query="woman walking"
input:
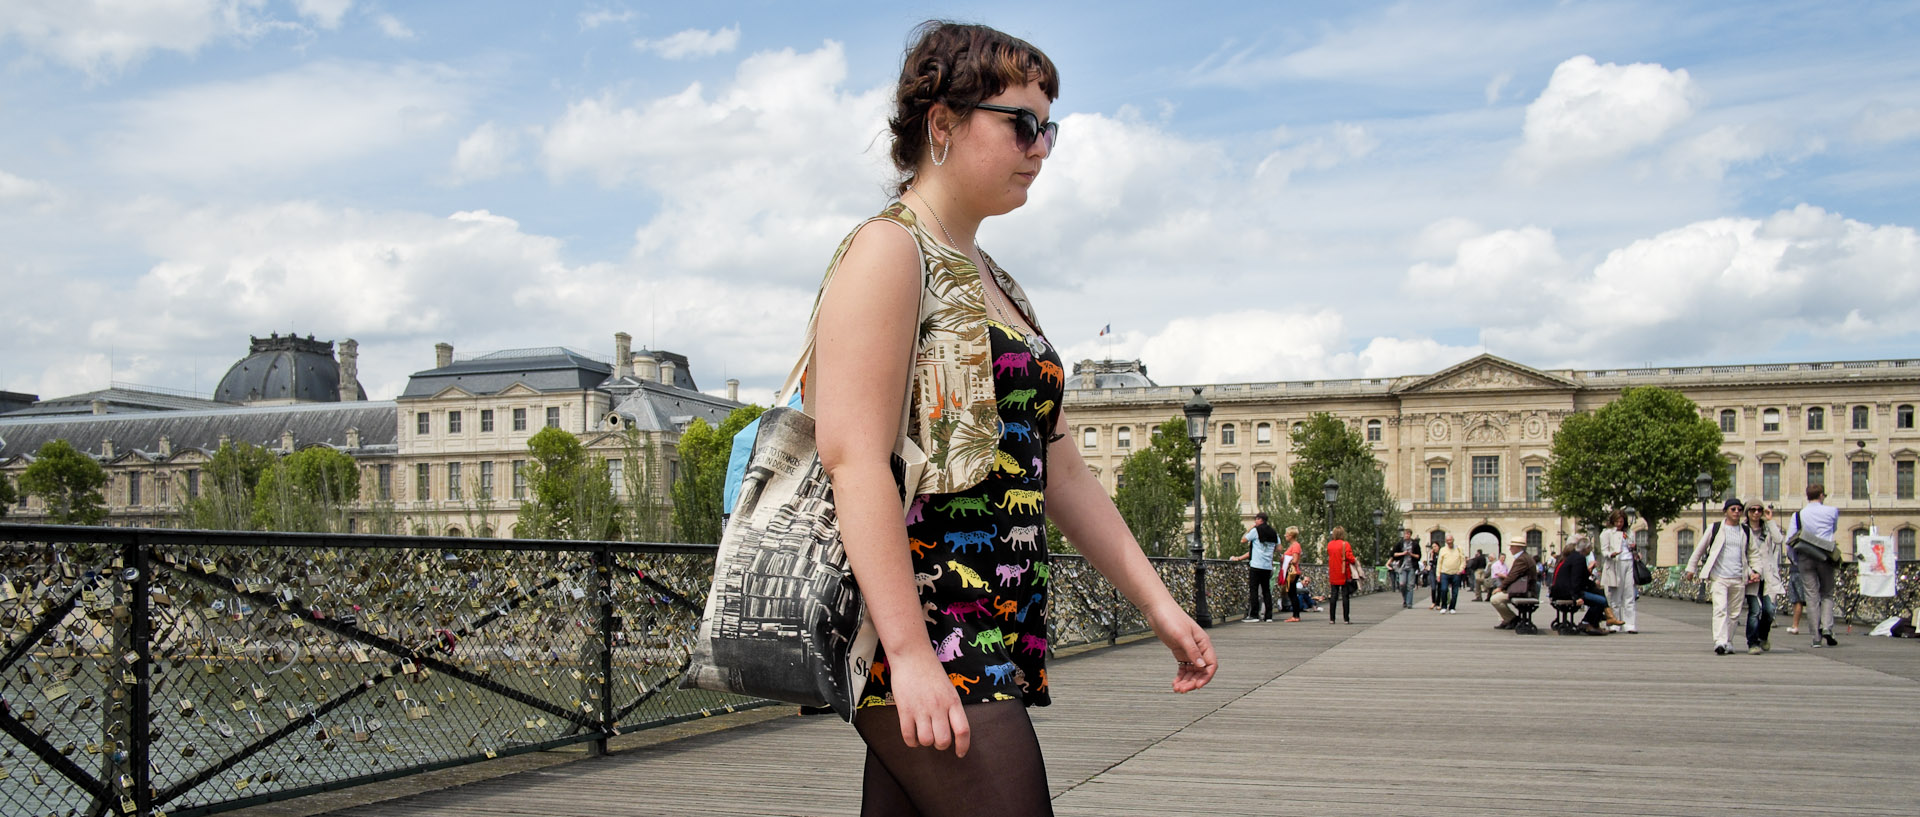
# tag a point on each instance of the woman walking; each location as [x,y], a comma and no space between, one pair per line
[1618,552]
[912,310]
[1770,544]
[1343,572]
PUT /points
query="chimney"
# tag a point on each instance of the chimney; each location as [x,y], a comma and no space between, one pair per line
[106,448]
[349,370]
[733,389]
[442,355]
[98,406]
[286,441]
[166,446]
[353,437]
[622,354]
[645,366]
[666,372]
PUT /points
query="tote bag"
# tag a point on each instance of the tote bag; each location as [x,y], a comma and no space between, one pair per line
[784,619]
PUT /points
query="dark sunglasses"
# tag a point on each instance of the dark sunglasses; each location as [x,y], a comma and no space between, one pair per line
[1027,126]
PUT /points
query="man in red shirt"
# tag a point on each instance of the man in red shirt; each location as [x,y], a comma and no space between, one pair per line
[1343,572]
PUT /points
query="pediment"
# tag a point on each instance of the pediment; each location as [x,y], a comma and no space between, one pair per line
[451,393]
[1488,373]
[518,389]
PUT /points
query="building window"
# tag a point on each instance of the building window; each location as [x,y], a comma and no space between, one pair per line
[385,477]
[1903,544]
[1089,437]
[1226,433]
[1726,420]
[617,475]
[161,483]
[1903,479]
[1686,546]
[193,483]
[519,479]
[486,420]
[133,488]
[1437,484]
[1437,538]
[1816,474]
[1536,476]
[1262,486]
[453,481]
[1816,419]
[1263,434]
[1373,431]
[1859,479]
[423,424]
[1770,420]
[553,417]
[1229,479]
[1534,539]
[486,480]
[1860,417]
[1299,426]
[453,422]
[1903,417]
[1486,479]
[519,419]
[1770,482]
[423,482]
[1123,437]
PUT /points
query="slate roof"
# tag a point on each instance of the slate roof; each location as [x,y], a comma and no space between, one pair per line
[553,368]
[118,400]
[311,423]
[1109,374]
[659,407]
[284,368]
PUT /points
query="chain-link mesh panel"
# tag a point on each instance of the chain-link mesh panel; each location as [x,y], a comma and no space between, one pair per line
[660,598]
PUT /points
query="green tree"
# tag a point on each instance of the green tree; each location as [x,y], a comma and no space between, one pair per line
[69,482]
[1222,527]
[698,493]
[226,495]
[1642,450]
[1156,489]
[568,496]
[646,515]
[308,490]
[7,495]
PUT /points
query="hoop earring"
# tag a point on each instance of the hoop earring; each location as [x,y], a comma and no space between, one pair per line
[942,158]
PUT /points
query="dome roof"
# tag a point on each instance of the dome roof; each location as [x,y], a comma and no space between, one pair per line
[284,369]
[1110,374]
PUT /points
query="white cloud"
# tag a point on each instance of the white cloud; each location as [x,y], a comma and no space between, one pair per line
[105,36]
[1258,345]
[323,13]
[1713,288]
[1882,123]
[604,16]
[485,153]
[1708,155]
[392,28]
[27,194]
[1343,141]
[1497,86]
[1592,112]
[282,124]
[693,42]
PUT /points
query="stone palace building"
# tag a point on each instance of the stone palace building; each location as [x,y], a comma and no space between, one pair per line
[1464,449]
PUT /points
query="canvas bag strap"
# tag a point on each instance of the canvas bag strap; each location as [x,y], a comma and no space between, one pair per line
[797,378]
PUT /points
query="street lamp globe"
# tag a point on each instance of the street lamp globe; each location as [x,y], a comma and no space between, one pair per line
[1703,487]
[1379,517]
[1332,489]
[1197,411]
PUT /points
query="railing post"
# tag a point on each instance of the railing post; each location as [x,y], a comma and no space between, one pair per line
[139,633]
[603,571]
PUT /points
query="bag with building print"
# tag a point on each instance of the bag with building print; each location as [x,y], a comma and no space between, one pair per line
[784,619]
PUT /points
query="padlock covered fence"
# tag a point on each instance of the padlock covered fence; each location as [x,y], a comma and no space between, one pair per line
[159,671]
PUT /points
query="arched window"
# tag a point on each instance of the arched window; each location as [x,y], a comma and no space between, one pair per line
[1373,431]
[1263,434]
[1861,416]
[1089,437]
[1903,416]
[1123,437]
[1816,419]
[1226,434]
[1727,420]
[1685,538]
[1903,543]
[1770,420]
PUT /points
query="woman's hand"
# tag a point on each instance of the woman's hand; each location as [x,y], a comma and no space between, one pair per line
[930,710]
[1190,646]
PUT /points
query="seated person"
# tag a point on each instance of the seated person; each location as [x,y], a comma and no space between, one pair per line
[1573,581]
[1518,583]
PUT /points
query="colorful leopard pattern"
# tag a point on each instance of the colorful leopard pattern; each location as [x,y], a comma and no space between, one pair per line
[980,555]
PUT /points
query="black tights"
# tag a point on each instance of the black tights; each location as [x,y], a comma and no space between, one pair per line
[1002,774]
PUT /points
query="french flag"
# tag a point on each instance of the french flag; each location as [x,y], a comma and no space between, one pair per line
[1106,330]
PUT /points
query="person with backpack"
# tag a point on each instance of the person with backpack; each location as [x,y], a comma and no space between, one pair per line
[1260,541]
[1821,521]
[1727,559]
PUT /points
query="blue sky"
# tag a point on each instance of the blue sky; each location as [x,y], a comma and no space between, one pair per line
[1244,191]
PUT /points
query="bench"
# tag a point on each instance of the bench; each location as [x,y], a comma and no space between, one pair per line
[1523,615]
[1566,612]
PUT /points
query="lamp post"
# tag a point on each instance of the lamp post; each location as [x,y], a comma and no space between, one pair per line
[1872,528]
[1703,491]
[1332,490]
[1197,411]
[1379,518]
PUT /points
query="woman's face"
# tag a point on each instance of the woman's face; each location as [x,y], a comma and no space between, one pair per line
[994,171]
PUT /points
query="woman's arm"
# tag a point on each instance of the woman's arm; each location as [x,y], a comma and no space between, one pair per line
[1084,512]
[858,379]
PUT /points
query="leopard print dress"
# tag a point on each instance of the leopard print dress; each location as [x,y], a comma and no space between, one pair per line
[980,554]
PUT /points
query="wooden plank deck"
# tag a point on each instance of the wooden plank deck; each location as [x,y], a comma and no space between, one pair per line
[1405,712]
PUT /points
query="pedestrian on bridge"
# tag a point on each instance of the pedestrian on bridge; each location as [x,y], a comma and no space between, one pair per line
[1727,561]
[1260,540]
[1343,573]
[1816,575]
[1405,563]
[956,588]
[1618,552]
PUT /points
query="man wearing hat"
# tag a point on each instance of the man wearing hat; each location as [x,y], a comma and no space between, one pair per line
[1728,559]
[1520,581]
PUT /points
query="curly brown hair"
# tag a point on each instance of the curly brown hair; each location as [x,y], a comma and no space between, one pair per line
[961,65]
